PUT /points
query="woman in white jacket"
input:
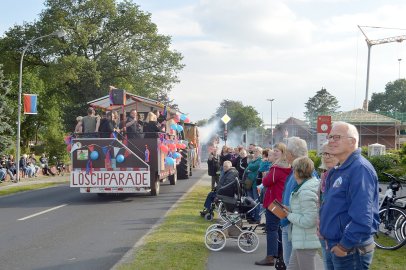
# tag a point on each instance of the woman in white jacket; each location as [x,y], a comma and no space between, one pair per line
[303,216]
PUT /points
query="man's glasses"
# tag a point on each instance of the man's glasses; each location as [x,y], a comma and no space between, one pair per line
[336,138]
[327,155]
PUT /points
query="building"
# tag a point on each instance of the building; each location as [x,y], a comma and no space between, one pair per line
[294,127]
[372,127]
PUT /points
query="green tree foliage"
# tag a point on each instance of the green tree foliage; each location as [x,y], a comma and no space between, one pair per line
[6,131]
[323,103]
[392,100]
[109,42]
[243,117]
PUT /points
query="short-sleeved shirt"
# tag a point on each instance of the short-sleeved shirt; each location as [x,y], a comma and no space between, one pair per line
[89,124]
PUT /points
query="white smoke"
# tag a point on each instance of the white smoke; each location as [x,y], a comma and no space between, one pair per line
[208,131]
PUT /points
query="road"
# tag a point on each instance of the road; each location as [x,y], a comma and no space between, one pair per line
[59,228]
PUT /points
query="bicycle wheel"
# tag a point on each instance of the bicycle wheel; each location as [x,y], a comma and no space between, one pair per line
[401,227]
[248,241]
[215,240]
[391,229]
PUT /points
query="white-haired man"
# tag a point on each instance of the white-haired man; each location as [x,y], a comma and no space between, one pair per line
[349,211]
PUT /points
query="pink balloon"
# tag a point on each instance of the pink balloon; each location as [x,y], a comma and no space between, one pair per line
[187,120]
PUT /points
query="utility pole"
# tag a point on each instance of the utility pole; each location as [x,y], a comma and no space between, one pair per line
[371,43]
[271,99]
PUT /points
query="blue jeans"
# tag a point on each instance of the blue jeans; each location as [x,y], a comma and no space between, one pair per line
[324,252]
[254,195]
[272,227]
[286,245]
[2,174]
[354,261]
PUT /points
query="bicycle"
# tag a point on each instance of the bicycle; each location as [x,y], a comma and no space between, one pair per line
[60,166]
[391,233]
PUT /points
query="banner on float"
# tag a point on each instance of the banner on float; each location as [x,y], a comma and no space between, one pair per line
[30,104]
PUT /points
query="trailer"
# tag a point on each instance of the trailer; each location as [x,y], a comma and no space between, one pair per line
[121,164]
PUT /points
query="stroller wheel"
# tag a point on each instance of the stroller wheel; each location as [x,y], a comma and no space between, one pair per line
[248,241]
[208,216]
[215,240]
[214,226]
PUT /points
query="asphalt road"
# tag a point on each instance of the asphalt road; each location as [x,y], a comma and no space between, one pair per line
[60,228]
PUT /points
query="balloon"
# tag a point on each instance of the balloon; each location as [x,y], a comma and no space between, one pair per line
[120,158]
[164,148]
[187,120]
[169,161]
[176,155]
[179,128]
[183,117]
[182,146]
[171,146]
[174,126]
[94,155]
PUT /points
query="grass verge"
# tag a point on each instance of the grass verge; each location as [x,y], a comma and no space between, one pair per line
[178,242]
[17,189]
[389,259]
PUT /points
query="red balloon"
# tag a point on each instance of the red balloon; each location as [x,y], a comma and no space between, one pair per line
[187,120]
[163,148]
[172,146]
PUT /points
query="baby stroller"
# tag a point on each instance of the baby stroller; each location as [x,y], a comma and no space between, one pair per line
[233,208]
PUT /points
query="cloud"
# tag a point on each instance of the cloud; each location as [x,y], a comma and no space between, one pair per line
[253,23]
[288,50]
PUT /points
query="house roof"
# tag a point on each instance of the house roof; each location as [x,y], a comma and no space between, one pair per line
[360,116]
[295,122]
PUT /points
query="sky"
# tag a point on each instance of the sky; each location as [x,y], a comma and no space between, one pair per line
[254,50]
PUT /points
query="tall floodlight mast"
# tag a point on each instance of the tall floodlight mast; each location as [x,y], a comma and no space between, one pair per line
[370,43]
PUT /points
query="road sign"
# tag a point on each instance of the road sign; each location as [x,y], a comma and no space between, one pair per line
[225,118]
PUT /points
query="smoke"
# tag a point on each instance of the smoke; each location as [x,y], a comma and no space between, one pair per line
[207,132]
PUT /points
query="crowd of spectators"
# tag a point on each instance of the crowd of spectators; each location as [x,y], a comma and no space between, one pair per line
[28,165]
[338,213]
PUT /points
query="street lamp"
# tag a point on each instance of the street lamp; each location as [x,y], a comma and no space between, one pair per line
[271,99]
[59,33]
[400,59]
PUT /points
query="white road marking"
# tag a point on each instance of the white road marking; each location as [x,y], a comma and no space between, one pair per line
[43,212]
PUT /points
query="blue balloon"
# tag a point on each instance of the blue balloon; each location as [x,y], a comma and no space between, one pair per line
[183,117]
[179,128]
[120,158]
[174,126]
[169,161]
[94,155]
[176,155]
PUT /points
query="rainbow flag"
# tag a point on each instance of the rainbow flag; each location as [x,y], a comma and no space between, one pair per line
[30,104]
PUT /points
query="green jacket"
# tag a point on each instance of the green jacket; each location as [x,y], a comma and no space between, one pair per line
[252,170]
[303,216]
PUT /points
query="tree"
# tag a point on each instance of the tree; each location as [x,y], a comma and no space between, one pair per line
[6,131]
[109,42]
[392,100]
[244,117]
[322,103]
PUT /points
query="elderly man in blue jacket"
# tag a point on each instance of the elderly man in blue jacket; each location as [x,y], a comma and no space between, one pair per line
[349,212]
